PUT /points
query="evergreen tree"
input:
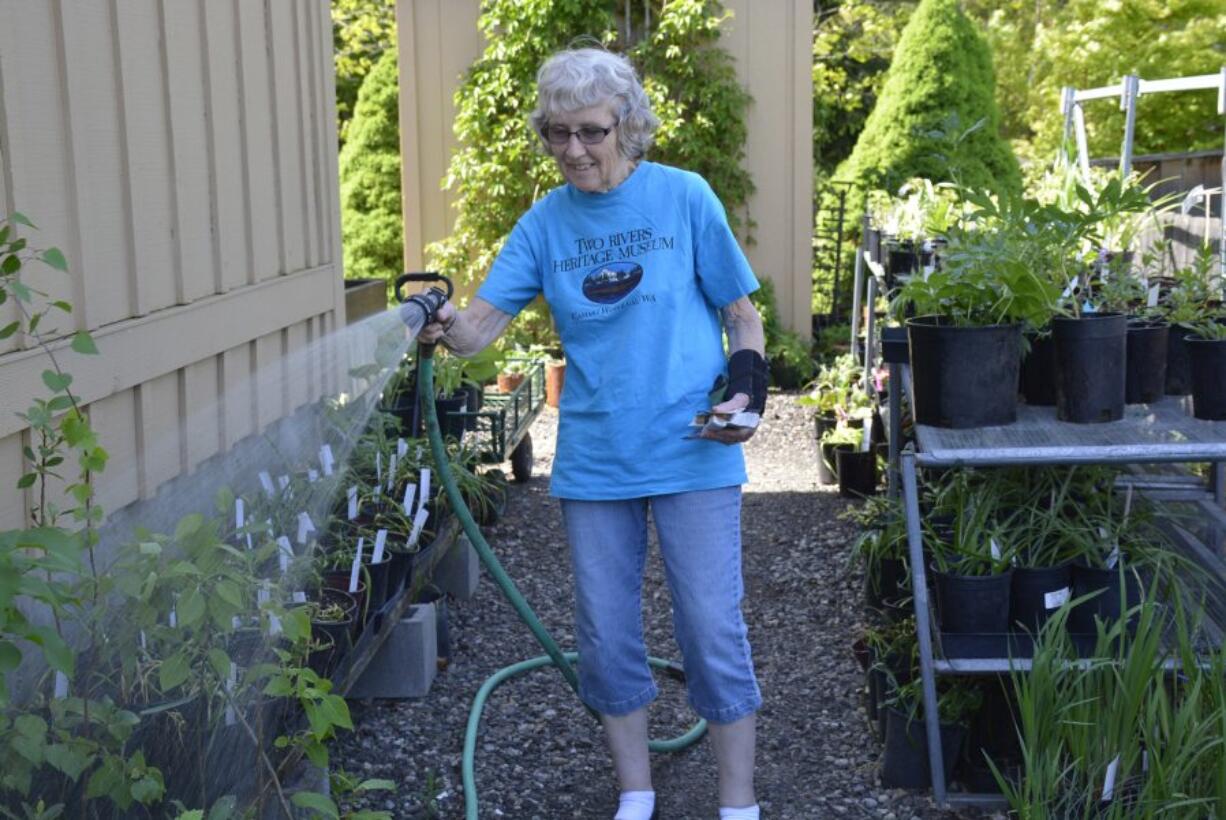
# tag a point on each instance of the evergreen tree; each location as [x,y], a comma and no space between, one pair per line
[361,31]
[939,85]
[372,227]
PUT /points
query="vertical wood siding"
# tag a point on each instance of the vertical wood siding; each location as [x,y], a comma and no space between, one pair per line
[771,43]
[182,155]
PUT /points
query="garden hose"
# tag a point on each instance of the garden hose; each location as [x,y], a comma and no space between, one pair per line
[564,661]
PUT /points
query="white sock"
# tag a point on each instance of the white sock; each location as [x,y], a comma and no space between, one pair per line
[635,805]
[747,813]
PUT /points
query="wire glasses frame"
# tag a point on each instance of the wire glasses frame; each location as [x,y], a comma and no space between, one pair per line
[560,135]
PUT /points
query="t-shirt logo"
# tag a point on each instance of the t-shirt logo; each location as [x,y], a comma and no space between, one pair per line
[612,282]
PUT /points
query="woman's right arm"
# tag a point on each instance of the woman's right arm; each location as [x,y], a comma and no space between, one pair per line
[466,332]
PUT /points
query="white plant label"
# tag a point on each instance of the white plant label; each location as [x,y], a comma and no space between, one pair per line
[325,459]
[1056,598]
[409,490]
[262,597]
[425,488]
[1109,780]
[298,597]
[231,682]
[391,472]
[305,527]
[144,644]
[380,541]
[1151,296]
[266,483]
[172,618]
[353,502]
[240,517]
[249,541]
[402,447]
[1072,286]
[236,622]
[356,568]
[1114,557]
[419,521]
[866,439]
[312,475]
[1089,307]
[994,546]
[1128,501]
[285,553]
[61,686]
[283,481]
[378,469]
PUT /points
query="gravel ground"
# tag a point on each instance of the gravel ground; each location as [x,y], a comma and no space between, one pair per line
[542,756]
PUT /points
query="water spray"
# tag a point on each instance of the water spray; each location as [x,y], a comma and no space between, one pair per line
[417,311]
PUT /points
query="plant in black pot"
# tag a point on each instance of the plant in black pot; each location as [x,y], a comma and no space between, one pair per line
[854,459]
[1191,298]
[966,337]
[1207,355]
[882,546]
[1120,290]
[835,389]
[905,761]
[891,658]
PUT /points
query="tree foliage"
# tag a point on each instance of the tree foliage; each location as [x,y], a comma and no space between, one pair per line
[361,31]
[372,227]
[499,171]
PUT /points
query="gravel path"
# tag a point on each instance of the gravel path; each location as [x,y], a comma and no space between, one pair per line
[542,756]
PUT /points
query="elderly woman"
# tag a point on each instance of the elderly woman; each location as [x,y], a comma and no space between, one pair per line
[643,277]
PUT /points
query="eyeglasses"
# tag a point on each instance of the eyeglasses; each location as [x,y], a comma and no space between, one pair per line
[588,135]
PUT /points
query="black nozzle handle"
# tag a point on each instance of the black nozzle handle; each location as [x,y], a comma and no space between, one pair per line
[405,278]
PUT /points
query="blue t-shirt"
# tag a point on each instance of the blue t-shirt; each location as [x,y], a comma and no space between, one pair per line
[634,279]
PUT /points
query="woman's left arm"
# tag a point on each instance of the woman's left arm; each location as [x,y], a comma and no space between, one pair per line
[744,328]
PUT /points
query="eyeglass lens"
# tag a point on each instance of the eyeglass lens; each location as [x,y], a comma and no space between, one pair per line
[588,134]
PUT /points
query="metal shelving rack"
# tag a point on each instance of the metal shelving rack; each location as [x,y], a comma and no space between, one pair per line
[1161,433]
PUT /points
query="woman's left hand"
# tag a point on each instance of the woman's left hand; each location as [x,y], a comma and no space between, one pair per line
[735,435]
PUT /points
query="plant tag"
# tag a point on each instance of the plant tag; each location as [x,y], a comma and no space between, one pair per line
[356,568]
[325,459]
[231,682]
[1072,286]
[409,490]
[312,476]
[274,624]
[249,541]
[1128,501]
[994,546]
[1144,761]
[391,472]
[236,622]
[172,618]
[144,644]
[1114,557]
[298,597]
[380,540]
[266,483]
[240,518]
[1088,307]
[61,686]
[1151,296]
[353,502]
[402,447]
[282,481]
[285,553]
[866,439]
[1109,780]
[424,495]
[305,526]
[419,521]
[418,453]
[1056,598]
[379,469]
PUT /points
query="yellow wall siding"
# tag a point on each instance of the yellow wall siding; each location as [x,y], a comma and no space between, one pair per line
[182,155]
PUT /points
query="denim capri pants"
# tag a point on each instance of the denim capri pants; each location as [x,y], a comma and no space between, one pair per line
[700,542]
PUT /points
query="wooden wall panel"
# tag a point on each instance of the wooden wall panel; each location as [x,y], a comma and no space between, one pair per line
[146,122]
[97,144]
[226,160]
[238,396]
[270,388]
[12,465]
[114,421]
[297,366]
[189,136]
[307,128]
[287,140]
[160,413]
[262,217]
[201,411]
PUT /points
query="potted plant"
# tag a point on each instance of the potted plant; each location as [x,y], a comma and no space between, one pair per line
[555,380]
[514,371]
[855,462]
[882,546]
[1186,304]
[1207,353]
[904,762]
[836,389]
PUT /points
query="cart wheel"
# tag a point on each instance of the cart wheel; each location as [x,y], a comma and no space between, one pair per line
[521,459]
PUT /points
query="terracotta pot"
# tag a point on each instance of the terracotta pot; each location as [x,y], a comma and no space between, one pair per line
[509,381]
[555,378]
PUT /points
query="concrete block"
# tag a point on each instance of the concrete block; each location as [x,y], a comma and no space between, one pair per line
[458,572]
[407,662]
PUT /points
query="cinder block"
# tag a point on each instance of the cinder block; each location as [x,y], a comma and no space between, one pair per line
[458,572]
[406,663]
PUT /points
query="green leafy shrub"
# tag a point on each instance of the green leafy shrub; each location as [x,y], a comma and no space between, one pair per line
[361,31]
[372,222]
[790,361]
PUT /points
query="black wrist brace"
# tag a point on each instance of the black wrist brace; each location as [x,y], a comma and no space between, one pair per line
[748,373]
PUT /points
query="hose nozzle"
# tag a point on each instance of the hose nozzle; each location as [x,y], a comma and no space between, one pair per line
[424,304]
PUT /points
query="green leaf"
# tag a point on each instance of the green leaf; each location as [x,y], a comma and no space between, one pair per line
[62,305]
[147,790]
[318,803]
[9,329]
[375,784]
[10,265]
[27,480]
[56,381]
[21,219]
[220,662]
[83,343]
[68,760]
[10,657]
[191,607]
[31,726]
[229,592]
[55,258]
[173,671]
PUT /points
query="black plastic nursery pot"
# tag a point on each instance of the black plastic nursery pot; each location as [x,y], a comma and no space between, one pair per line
[431,594]
[964,376]
[904,764]
[400,571]
[857,471]
[1090,367]
[450,410]
[1178,361]
[1036,592]
[1106,604]
[1038,371]
[379,575]
[1208,358]
[973,604]
[1145,374]
[885,583]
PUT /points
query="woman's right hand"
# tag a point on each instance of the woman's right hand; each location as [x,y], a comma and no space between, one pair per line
[443,318]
